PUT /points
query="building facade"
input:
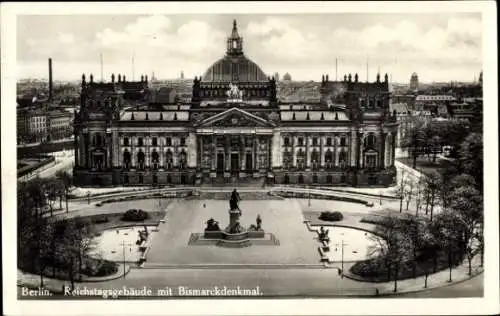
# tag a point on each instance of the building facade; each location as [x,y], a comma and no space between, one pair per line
[234,128]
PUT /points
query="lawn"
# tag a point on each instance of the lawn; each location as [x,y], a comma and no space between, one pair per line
[425,165]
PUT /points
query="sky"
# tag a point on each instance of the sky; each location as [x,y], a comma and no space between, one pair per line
[437,46]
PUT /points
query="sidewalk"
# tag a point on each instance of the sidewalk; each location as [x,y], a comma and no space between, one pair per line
[434,281]
[30,280]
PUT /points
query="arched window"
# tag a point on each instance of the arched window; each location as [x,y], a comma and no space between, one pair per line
[168,159]
[126,159]
[370,141]
[155,159]
[140,160]
[329,159]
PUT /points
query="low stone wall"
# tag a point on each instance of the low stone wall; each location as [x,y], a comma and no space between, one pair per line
[32,170]
[290,193]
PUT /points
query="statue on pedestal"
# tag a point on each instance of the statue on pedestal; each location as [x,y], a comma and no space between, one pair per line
[234,200]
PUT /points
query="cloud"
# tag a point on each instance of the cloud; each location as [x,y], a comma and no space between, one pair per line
[277,43]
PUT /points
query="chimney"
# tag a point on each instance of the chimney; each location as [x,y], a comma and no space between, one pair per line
[50,78]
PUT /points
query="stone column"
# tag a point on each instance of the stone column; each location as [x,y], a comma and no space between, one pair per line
[294,155]
[77,149]
[116,149]
[201,151]
[308,152]
[192,150]
[352,150]
[269,153]
[360,150]
[109,148]
[393,149]
[227,150]
[322,151]
[254,162]
[335,159]
[86,152]
[242,153]
[382,150]
[276,150]
[213,152]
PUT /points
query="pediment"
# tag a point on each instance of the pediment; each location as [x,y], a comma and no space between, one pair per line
[235,118]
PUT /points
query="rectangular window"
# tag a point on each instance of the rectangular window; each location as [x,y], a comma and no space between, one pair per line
[286,141]
[329,141]
[140,141]
[183,141]
[169,141]
[155,141]
[301,141]
[125,141]
[315,141]
[343,141]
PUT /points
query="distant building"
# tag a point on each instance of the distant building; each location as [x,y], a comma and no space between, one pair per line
[31,125]
[59,124]
[402,113]
[182,75]
[287,77]
[414,82]
[277,76]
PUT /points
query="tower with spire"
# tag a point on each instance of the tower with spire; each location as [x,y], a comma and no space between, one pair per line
[234,42]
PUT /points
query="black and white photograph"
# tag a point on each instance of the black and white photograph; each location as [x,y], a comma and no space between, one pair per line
[265,158]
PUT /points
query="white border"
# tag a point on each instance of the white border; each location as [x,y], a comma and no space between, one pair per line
[487,305]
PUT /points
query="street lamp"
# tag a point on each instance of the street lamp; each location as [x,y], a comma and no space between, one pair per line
[342,258]
[123,245]
[88,197]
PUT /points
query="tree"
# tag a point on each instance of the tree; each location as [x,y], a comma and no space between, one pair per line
[67,182]
[467,204]
[449,232]
[415,140]
[429,249]
[392,244]
[52,189]
[408,192]
[418,194]
[433,183]
[471,157]
[401,189]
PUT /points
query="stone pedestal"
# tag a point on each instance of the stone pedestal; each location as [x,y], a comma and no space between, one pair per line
[234,222]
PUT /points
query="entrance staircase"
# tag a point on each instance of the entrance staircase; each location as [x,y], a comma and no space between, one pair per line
[233,182]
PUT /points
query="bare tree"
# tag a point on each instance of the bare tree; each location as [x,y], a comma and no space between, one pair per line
[408,192]
[401,189]
[433,185]
[467,204]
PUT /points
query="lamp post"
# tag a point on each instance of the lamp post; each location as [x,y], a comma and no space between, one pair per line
[342,257]
[123,245]
[88,197]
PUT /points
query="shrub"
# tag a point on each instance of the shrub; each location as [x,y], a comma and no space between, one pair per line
[135,215]
[100,219]
[102,268]
[331,216]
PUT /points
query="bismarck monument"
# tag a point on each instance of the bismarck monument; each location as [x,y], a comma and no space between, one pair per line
[234,235]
